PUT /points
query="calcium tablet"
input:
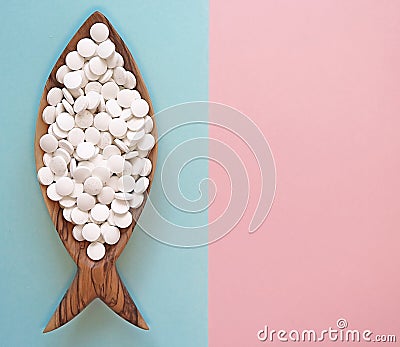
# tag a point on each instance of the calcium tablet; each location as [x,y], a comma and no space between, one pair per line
[48,143]
[73,80]
[96,251]
[54,96]
[86,47]
[91,232]
[140,107]
[45,176]
[99,32]
[111,234]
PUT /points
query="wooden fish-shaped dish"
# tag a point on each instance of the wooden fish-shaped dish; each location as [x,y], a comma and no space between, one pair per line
[94,279]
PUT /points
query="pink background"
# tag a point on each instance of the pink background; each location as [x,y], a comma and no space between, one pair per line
[321,79]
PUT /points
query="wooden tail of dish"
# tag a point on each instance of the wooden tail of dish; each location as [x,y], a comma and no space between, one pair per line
[101,282]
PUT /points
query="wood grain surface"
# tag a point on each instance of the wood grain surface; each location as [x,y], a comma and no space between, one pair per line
[94,279]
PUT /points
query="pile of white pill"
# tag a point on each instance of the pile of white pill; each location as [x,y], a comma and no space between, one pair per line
[98,140]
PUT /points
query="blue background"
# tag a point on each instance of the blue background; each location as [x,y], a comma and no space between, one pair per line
[169,41]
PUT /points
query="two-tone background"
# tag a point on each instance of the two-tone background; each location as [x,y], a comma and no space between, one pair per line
[320,80]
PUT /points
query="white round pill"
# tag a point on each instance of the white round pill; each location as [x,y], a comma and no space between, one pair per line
[119,75]
[52,193]
[97,65]
[65,121]
[123,220]
[96,251]
[48,143]
[116,163]
[76,136]
[141,185]
[84,120]
[85,201]
[106,195]
[117,127]
[81,104]
[92,135]
[106,76]
[126,183]
[109,90]
[137,165]
[73,80]
[94,100]
[102,121]
[81,173]
[100,213]
[54,96]
[146,143]
[49,114]
[110,150]
[61,72]
[74,60]
[45,176]
[103,173]
[136,200]
[119,206]
[111,234]
[93,87]
[92,185]
[140,107]
[91,232]
[130,82]
[64,186]
[105,140]
[77,232]
[58,165]
[86,47]
[67,202]
[99,32]
[146,167]
[125,97]
[135,124]
[85,150]
[113,108]
[105,49]
[78,216]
